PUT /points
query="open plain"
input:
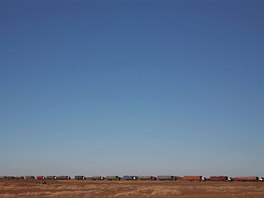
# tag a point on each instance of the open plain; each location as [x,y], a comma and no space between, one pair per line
[112,189]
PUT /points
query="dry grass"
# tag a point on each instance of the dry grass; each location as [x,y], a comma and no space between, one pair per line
[113,189]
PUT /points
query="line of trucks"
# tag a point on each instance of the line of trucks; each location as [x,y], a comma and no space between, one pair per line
[129,177]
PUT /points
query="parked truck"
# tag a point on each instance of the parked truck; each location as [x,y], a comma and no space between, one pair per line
[193,178]
[40,177]
[95,178]
[79,177]
[220,178]
[246,179]
[128,177]
[19,177]
[147,178]
[166,177]
[112,178]
[29,177]
[64,177]
[52,177]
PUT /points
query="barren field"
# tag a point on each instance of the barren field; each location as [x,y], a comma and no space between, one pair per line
[112,189]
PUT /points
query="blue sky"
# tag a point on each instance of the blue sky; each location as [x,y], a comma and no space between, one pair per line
[132,87]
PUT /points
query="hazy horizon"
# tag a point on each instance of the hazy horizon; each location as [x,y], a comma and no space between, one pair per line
[132,87]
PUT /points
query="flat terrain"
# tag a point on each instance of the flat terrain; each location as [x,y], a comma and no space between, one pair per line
[156,189]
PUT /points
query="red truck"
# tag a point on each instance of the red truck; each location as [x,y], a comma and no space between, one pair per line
[219,178]
[246,179]
[40,177]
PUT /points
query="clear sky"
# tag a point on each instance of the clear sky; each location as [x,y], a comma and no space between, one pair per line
[132,87]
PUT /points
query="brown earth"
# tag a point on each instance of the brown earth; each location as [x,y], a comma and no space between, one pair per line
[120,189]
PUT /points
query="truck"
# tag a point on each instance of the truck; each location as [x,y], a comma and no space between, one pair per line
[166,177]
[146,178]
[192,178]
[246,179]
[95,178]
[29,177]
[79,177]
[19,177]
[112,178]
[128,177]
[40,177]
[220,178]
[64,177]
[52,177]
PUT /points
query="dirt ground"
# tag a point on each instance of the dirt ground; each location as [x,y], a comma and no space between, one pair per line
[112,189]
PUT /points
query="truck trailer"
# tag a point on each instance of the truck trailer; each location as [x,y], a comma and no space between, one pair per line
[128,177]
[220,178]
[246,179]
[29,177]
[166,177]
[193,178]
[112,178]
[64,177]
[52,177]
[79,177]
[147,178]
[40,177]
[95,178]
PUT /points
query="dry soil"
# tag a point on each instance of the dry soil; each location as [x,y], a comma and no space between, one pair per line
[138,189]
